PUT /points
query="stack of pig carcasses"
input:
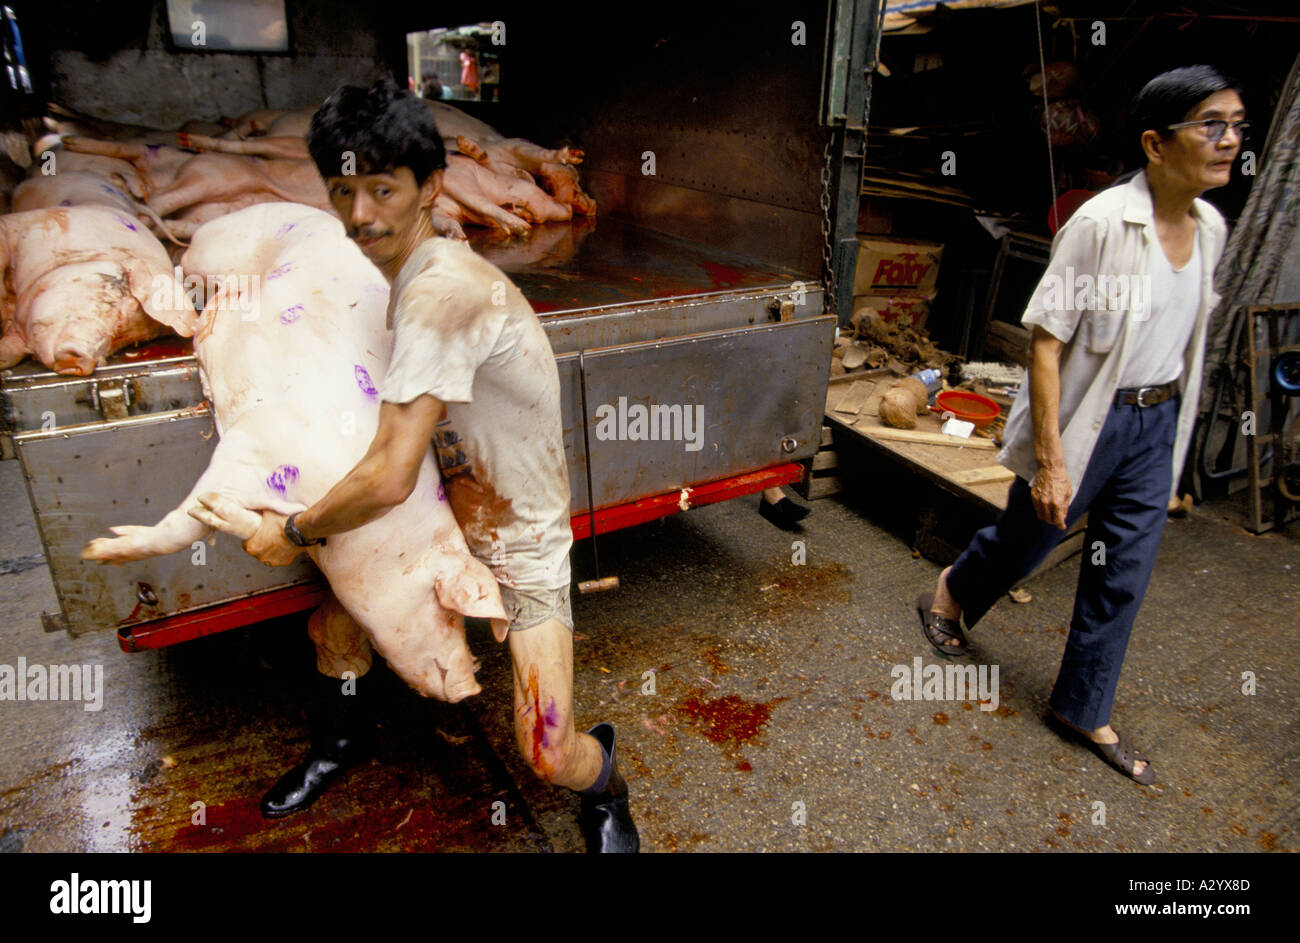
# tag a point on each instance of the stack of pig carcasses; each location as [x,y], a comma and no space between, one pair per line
[84,245]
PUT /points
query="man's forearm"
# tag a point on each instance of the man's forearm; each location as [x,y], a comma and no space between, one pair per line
[363,495]
[1045,402]
[384,478]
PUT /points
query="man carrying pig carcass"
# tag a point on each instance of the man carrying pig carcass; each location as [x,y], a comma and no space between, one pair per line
[472,371]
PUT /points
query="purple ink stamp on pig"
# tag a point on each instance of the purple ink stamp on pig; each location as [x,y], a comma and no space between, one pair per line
[442,493]
[364,381]
[282,477]
[127,223]
[279,270]
[284,230]
[65,202]
[292,313]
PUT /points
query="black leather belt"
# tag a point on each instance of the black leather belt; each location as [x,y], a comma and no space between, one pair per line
[1147,396]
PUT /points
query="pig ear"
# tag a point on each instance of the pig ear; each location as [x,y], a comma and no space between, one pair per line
[184,320]
[469,588]
[167,303]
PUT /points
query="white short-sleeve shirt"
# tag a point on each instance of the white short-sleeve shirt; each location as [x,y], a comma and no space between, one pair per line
[464,334]
[1110,235]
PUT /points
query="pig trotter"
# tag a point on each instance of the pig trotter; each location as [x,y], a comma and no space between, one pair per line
[471,150]
[605,817]
[342,737]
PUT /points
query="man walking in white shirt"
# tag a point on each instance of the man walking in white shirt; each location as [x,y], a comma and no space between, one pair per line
[1119,323]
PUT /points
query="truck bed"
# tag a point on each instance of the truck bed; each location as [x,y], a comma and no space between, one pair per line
[634,317]
[591,263]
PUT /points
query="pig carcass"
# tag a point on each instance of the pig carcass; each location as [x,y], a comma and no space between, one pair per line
[178,180]
[553,169]
[81,282]
[488,195]
[83,188]
[293,370]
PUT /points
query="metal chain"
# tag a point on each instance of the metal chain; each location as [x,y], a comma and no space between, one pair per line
[828,278]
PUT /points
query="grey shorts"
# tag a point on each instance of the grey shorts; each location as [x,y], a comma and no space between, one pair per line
[526,608]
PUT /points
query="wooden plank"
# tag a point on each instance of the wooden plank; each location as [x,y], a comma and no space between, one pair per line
[857,396]
[824,488]
[928,438]
[824,460]
[826,436]
[981,476]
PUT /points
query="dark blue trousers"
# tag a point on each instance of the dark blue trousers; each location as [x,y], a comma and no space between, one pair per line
[1126,490]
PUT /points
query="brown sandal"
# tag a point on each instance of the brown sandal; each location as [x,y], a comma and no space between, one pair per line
[1121,754]
[940,629]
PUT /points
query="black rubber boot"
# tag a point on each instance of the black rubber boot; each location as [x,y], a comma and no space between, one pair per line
[606,819]
[342,736]
[784,513]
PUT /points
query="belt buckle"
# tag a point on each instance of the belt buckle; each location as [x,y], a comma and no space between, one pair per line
[1142,395]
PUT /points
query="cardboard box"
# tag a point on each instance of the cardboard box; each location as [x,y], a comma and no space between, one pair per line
[888,266]
[906,310]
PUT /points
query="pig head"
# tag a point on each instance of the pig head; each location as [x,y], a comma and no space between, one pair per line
[81,282]
[292,361]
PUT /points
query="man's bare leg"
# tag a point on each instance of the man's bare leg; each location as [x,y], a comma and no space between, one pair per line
[944,604]
[544,728]
[585,762]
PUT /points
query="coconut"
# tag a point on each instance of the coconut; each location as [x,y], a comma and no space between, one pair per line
[897,409]
[916,390]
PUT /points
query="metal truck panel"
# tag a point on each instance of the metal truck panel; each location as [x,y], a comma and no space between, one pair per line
[760,391]
[82,479]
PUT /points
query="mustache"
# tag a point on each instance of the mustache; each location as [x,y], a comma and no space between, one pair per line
[365,232]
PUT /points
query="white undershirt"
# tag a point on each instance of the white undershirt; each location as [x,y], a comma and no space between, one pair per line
[1159,343]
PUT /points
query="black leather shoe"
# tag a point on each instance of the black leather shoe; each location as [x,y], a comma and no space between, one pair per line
[606,819]
[302,785]
[784,514]
[341,738]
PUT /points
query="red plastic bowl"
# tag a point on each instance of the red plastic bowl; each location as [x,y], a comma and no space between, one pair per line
[968,406]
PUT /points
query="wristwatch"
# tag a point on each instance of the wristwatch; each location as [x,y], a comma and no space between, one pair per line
[294,535]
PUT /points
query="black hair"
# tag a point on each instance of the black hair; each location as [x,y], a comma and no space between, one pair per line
[1170,97]
[384,127]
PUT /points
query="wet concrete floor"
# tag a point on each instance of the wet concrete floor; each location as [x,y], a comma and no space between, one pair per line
[771,726]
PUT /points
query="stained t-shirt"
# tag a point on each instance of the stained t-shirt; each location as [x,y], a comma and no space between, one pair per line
[464,334]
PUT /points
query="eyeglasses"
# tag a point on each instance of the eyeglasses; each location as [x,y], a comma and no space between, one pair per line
[1215,128]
